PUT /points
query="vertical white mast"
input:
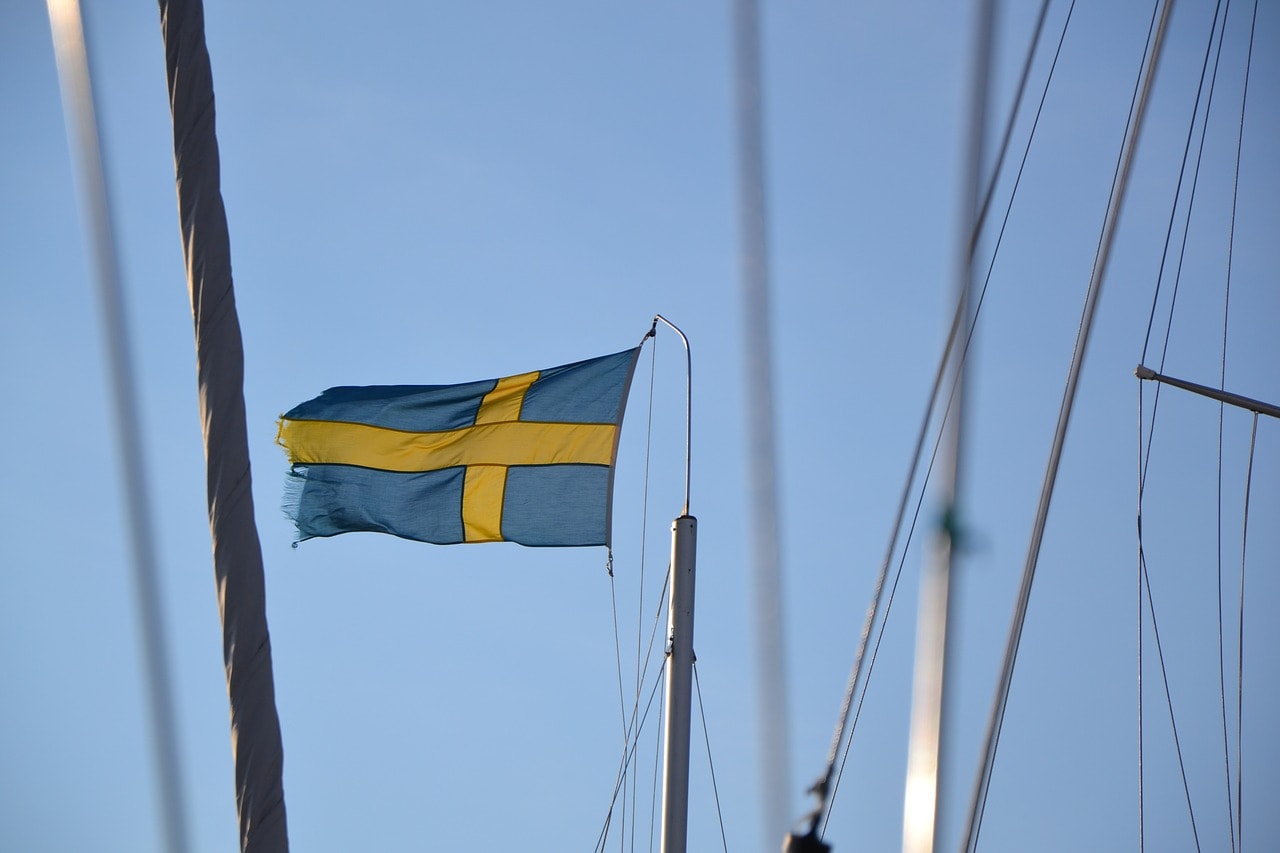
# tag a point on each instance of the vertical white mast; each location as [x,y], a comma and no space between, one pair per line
[675,786]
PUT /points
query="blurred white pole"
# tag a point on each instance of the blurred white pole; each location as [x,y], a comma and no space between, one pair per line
[771,681]
[86,153]
[923,798]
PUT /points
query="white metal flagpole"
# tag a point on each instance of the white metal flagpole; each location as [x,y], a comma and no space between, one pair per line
[675,787]
[684,546]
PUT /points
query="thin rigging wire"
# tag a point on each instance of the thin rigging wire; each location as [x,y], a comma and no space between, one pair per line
[931,689]
[1092,295]
[1234,826]
[1195,109]
[622,770]
[1173,212]
[1244,545]
[638,719]
[617,656]
[613,598]
[1004,224]
[644,526]
[1195,174]
[1222,410]
[1221,32]
[915,517]
[1021,89]
[706,737]
[1222,675]
[1145,454]
[1235,195]
[657,759]
[963,355]
[1168,697]
[627,734]
[875,650]
[636,724]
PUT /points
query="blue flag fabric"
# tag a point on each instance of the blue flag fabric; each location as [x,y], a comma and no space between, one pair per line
[526,458]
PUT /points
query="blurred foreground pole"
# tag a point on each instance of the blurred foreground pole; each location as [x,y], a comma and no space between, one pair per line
[86,154]
[924,799]
[237,556]
[771,686]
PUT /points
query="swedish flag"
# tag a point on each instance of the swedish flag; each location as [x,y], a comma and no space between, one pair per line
[526,458]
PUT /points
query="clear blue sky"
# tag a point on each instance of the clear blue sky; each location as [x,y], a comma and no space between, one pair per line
[422,194]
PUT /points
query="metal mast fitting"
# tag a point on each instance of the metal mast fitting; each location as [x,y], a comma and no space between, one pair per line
[1227,397]
[688,402]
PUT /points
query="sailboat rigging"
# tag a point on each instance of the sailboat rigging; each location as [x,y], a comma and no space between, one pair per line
[974,821]
[440,197]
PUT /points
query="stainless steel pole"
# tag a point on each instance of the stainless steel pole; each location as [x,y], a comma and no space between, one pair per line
[1238,400]
[675,785]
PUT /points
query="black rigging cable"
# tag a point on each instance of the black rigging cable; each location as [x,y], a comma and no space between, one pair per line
[1021,89]
[706,737]
[1235,194]
[1155,404]
[617,656]
[1145,460]
[637,721]
[644,526]
[1115,204]
[1244,546]
[657,761]
[1173,212]
[1222,384]
[622,770]
[1222,677]
[1168,696]
[1195,183]
[613,598]
[631,729]
[969,336]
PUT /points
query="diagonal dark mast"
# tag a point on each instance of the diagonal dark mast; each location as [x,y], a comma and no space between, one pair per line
[237,555]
